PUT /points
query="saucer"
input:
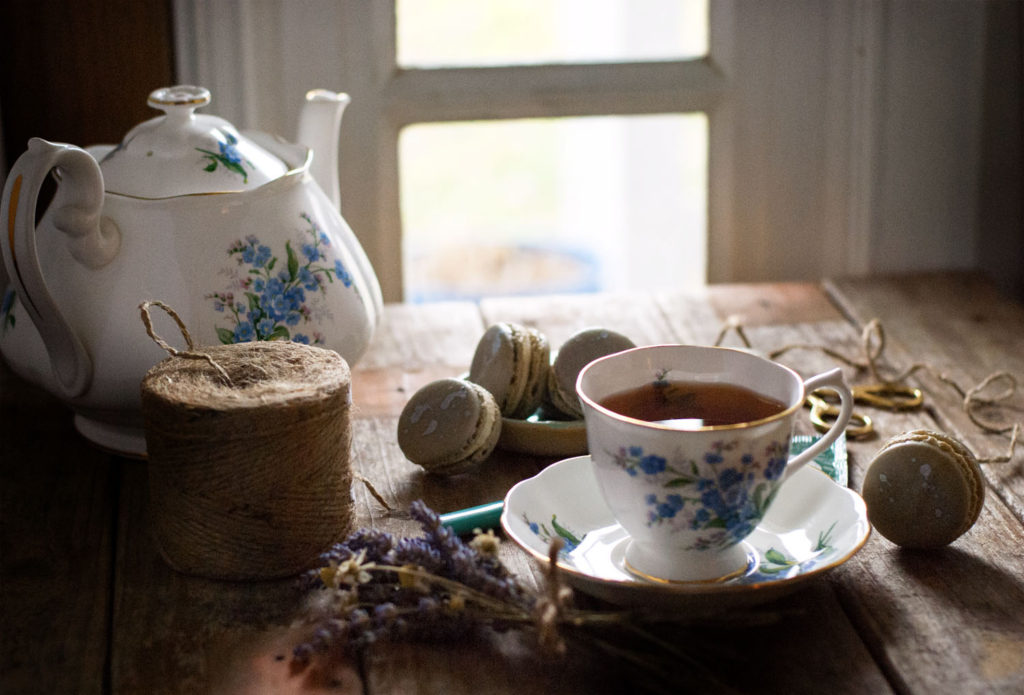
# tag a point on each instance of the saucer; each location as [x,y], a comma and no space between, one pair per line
[813,526]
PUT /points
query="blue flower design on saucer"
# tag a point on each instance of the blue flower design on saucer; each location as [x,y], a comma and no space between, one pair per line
[570,540]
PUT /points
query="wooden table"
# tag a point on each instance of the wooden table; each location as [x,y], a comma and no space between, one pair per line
[89,606]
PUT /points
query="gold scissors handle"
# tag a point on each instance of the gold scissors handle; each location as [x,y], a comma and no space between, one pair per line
[824,413]
[824,408]
[888,396]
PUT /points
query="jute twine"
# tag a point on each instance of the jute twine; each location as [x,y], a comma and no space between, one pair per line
[873,346]
[248,444]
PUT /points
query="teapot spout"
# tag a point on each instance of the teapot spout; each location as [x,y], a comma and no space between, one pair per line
[319,125]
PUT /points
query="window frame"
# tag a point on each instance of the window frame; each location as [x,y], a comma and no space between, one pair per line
[817,112]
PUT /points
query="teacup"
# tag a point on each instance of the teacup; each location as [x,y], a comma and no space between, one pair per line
[689,483]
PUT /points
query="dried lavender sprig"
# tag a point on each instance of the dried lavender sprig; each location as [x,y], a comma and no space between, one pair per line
[438,583]
[377,543]
[415,551]
[360,624]
[463,563]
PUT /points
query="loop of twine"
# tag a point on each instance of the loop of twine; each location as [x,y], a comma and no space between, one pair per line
[873,346]
[191,353]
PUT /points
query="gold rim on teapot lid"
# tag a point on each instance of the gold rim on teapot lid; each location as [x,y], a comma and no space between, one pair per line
[179,95]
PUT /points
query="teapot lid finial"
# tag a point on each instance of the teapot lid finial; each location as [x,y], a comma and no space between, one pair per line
[179,102]
[179,95]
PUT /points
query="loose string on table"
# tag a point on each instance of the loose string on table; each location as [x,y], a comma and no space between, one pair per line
[374,493]
[873,346]
[550,608]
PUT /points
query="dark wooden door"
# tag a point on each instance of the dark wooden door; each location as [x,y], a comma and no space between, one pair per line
[79,71]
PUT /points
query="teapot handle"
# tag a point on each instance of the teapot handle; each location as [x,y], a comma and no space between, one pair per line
[92,241]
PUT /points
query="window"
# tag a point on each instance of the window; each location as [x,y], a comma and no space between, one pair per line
[550,204]
[553,205]
[824,153]
[501,147]
[469,33]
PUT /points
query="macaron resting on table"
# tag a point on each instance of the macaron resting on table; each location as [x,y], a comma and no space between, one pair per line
[449,425]
[576,353]
[923,489]
[511,361]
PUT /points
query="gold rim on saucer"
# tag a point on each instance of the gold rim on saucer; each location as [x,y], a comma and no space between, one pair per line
[748,564]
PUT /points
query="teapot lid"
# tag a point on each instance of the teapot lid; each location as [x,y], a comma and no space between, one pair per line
[183,153]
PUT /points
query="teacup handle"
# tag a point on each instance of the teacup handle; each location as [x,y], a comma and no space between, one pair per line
[834,381]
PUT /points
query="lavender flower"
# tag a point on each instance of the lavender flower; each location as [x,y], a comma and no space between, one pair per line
[377,543]
[374,587]
[416,551]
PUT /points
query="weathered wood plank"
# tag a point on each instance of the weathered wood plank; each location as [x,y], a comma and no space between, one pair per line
[417,336]
[413,345]
[558,317]
[56,528]
[945,620]
[471,666]
[772,304]
[961,327]
[888,620]
[179,634]
[421,344]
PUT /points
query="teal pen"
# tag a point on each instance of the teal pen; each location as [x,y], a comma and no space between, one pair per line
[482,517]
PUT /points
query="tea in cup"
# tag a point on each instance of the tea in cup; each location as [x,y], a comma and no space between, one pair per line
[690,446]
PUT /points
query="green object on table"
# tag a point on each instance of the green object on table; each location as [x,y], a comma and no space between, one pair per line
[482,517]
[832,461]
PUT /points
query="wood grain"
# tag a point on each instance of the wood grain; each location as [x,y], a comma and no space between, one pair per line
[56,548]
[173,633]
[958,326]
[945,620]
[77,560]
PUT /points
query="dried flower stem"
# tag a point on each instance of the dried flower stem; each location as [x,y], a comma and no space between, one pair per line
[386,588]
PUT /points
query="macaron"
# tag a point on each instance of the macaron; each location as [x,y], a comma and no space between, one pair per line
[512,361]
[923,489]
[449,425]
[578,351]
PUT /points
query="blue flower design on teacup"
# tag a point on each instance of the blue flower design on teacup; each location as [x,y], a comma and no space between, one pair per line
[722,501]
[689,493]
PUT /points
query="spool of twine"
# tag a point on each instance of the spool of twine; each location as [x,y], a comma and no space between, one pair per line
[248,445]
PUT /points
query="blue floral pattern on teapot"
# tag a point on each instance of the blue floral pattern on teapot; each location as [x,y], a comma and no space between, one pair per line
[275,295]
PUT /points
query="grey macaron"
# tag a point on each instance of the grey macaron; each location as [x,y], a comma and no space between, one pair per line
[578,351]
[512,361]
[449,425]
[923,489]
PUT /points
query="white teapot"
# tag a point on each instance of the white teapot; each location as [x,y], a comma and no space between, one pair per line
[232,230]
